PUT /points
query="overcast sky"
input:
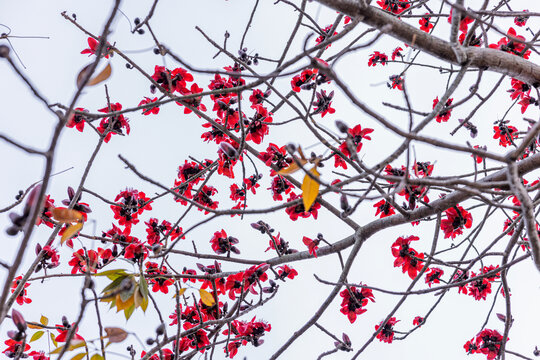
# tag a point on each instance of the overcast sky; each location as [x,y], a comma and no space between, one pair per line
[157,145]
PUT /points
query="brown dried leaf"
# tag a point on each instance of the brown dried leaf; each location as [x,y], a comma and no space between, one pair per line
[102,76]
[116,334]
[66,215]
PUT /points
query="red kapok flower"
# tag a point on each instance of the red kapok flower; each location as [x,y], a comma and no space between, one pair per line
[354,301]
[444,114]
[387,333]
[77,120]
[456,219]
[376,58]
[406,257]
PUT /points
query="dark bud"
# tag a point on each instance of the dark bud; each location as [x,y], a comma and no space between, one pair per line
[342,126]
[344,203]
[160,330]
[201,267]
[65,322]
[153,89]
[38,249]
[225,308]
[227,35]
[19,195]
[228,150]
[501,317]
[149,341]
[290,148]
[267,93]
[38,268]
[15,335]
[140,31]
[346,339]
[18,320]
[244,307]
[74,16]
[4,51]
[137,21]
[536,352]
[128,65]
[156,51]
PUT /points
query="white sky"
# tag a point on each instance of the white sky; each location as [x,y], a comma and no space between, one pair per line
[157,145]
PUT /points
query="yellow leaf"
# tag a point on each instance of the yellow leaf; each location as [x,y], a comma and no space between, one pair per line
[71,231]
[96,357]
[310,189]
[44,320]
[66,215]
[37,335]
[116,334]
[206,298]
[53,339]
[75,344]
[79,356]
[292,167]
[102,76]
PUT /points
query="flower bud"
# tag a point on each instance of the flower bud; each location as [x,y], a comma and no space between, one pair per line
[18,320]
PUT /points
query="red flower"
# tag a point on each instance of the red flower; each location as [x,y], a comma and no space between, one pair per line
[477,158]
[93,45]
[84,261]
[515,47]
[396,82]
[38,355]
[21,298]
[113,125]
[46,214]
[223,244]
[132,204]
[299,81]
[313,245]
[519,89]
[232,348]
[387,332]
[425,24]
[526,101]
[521,20]
[394,6]
[148,111]
[354,301]
[463,21]
[77,120]
[505,133]
[444,114]
[397,52]
[473,41]
[384,208]
[234,284]
[456,219]
[275,156]
[286,272]
[252,183]
[407,257]
[299,211]
[257,97]
[279,186]
[136,251]
[377,57]
[325,35]
[64,331]
[159,283]
[418,321]
[487,342]
[14,347]
[203,198]
[323,104]
[257,127]
[176,78]
[194,102]
[434,276]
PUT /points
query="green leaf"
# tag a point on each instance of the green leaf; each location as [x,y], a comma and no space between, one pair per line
[143,285]
[112,274]
[116,282]
[37,335]
[129,311]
